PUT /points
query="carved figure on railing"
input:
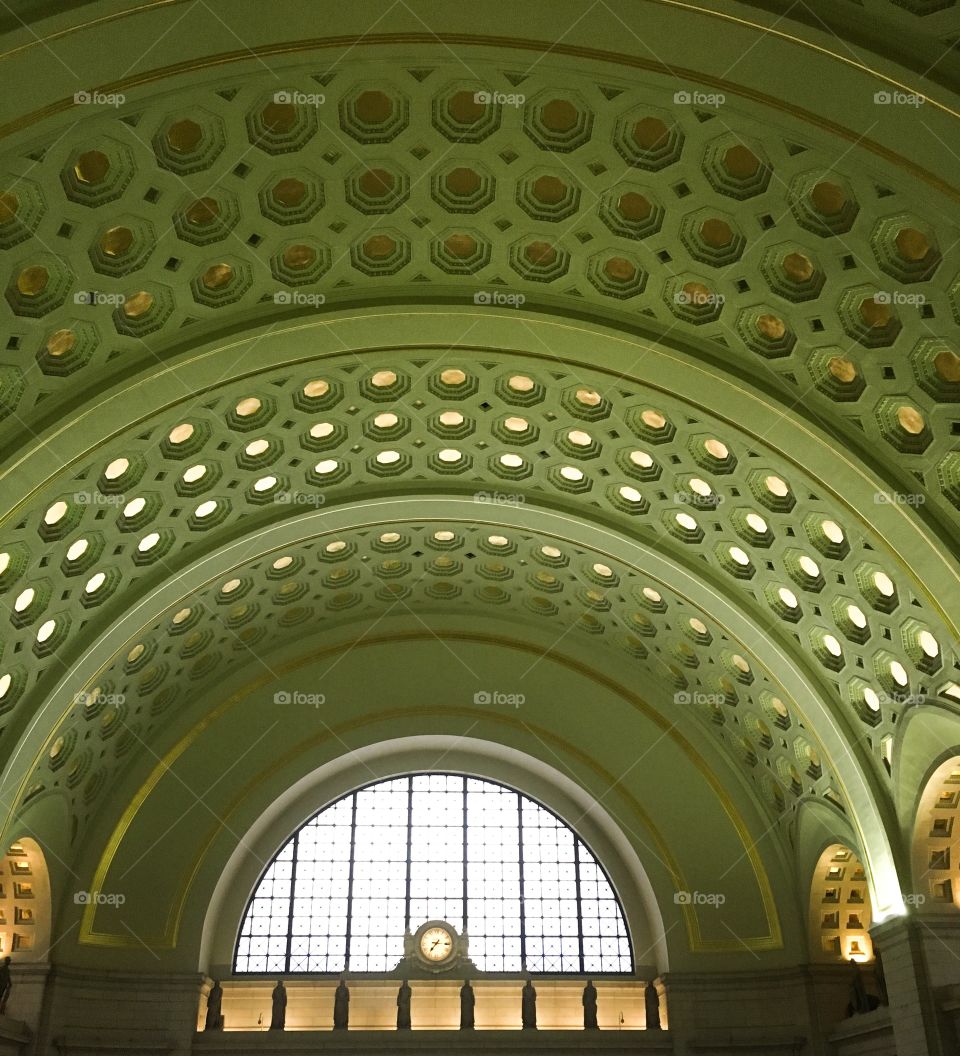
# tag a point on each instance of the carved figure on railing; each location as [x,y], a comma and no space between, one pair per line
[214,1020]
[528,1008]
[278,1015]
[651,999]
[590,1006]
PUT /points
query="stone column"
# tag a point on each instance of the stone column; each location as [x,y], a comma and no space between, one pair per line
[827,991]
[939,933]
[26,996]
[919,1027]
[680,999]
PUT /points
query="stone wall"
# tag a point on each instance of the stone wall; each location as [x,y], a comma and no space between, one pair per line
[117,1013]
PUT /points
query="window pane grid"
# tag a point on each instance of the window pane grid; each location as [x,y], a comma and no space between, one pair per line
[389,857]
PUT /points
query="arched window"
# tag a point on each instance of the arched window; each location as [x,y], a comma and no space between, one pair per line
[349,883]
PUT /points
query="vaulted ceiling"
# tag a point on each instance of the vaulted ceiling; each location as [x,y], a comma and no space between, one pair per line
[653,364]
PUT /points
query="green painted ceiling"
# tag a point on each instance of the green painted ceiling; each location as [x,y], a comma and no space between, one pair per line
[813,278]
[179,378]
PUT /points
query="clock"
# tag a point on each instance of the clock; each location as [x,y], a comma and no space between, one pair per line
[436,944]
[435,947]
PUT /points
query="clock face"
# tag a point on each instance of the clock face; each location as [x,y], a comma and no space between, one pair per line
[436,944]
